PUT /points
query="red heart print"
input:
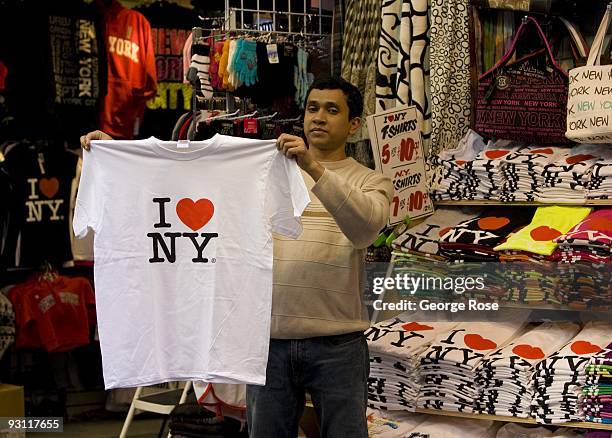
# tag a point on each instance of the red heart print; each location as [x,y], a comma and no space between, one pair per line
[390,118]
[544,233]
[195,214]
[585,347]
[416,327]
[48,186]
[492,223]
[477,342]
[542,151]
[578,158]
[443,231]
[599,224]
[528,352]
[496,153]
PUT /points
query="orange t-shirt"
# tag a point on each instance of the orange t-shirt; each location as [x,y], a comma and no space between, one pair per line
[132,76]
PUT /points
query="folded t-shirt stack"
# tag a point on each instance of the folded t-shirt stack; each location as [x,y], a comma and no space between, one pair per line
[471,170]
[510,171]
[450,179]
[558,380]
[474,239]
[585,256]
[488,165]
[600,177]
[395,346]
[590,240]
[448,366]
[424,238]
[597,401]
[583,285]
[566,179]
[504,376]
[523,172]
[535,244]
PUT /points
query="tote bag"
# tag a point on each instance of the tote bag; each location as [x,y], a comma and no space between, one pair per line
[521,102]
[589,105]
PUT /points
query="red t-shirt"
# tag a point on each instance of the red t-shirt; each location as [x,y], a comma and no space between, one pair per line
[55,315]
[132,75]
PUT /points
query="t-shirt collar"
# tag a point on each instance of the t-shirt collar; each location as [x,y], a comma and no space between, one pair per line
[196,149]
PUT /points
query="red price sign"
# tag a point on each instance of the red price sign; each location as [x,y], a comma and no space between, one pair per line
[396,141]
[412,202]
[407,151]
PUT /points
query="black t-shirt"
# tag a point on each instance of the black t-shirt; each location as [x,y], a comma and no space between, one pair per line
[54,52]
[41,177]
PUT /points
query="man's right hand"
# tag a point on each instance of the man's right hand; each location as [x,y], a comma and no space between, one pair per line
[95,135]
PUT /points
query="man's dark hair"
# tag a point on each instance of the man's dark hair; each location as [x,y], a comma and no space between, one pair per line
[351,92]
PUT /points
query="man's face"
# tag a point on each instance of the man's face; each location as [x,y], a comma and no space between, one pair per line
[326,120]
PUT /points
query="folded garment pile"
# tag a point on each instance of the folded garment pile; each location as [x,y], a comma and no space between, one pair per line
[597,401]
[559,379]
[504,376]
[395,346]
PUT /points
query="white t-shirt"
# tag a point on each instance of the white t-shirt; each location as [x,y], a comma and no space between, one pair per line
[183,254]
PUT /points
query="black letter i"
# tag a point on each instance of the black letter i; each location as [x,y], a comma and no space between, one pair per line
[162,213]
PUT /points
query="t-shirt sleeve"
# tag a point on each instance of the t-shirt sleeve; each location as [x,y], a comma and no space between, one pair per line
[87,212]
[286,196]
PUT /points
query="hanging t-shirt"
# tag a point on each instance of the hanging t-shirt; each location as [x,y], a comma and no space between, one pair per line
[56,69]
[78,64]
[132,75]
[183,254]
[41,176]
[54,314]
[171,25]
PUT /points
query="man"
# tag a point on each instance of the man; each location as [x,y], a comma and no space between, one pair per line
[318,319]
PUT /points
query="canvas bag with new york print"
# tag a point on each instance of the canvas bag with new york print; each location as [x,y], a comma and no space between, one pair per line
[521,101]
[589,105]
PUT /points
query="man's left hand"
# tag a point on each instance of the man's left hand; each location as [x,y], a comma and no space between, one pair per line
[293,146]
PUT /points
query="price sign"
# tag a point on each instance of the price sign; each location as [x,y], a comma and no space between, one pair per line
[398,152]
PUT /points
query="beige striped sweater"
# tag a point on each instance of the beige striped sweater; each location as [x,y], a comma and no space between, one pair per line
[318,277]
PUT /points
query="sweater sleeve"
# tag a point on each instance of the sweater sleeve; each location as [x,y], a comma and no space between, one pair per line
[360,212]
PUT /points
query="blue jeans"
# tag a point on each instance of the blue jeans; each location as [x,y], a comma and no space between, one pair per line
[333,369]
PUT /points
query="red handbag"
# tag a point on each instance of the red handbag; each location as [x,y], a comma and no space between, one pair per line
[522,102]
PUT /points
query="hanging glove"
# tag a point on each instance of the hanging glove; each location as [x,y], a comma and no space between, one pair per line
[247,62]
[233,81]
[215,57]
[201,62]
[223,64]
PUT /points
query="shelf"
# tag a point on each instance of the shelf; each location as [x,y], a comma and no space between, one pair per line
[581,425]
[523,203]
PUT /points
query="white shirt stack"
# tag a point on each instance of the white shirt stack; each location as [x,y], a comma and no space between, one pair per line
[448,366]
[558,380]
[394,347]
[504,376]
